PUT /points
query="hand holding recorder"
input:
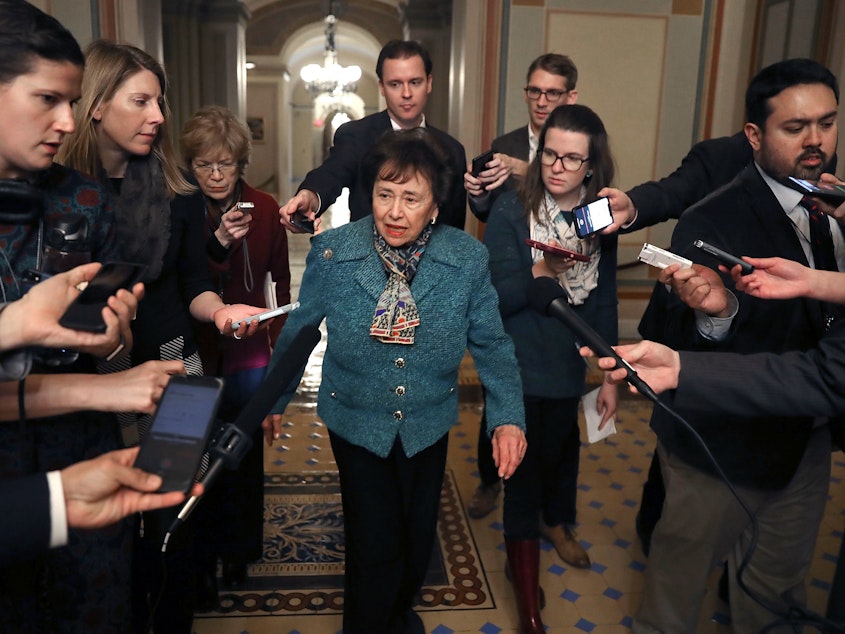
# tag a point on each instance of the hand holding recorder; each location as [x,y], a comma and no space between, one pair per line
[234,224]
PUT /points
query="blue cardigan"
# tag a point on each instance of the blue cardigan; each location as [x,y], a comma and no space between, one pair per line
[546,350]
[371,391]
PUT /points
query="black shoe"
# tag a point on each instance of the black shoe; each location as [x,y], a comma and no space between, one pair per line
[207,592]
[234,575]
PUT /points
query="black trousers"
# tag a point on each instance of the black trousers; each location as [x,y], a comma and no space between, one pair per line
[546,481]
[390,510]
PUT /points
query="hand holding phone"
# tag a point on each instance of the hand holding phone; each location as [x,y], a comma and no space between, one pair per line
[592,217]
[556,250]
[300,220]
[182,423]
[829,192]
[86,311]
[275,312]
[479,163]
[245,207]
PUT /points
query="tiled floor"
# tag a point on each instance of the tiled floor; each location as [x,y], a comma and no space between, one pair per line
[600,600]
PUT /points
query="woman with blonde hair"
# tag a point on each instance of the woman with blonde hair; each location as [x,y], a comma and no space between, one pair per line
[121,138]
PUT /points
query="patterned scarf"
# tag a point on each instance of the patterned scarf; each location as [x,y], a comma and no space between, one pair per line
[396,314]
[553,223]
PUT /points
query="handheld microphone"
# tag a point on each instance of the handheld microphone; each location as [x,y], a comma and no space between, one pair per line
[237,438]
[547,297]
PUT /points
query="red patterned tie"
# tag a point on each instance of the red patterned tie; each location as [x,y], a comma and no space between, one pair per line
[821,241]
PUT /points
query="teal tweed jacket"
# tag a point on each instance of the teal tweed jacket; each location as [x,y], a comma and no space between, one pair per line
[372,392]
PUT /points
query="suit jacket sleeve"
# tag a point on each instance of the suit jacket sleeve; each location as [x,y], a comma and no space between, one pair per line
[709,165]
[340,169]
[515,144]
[26,506]
[765,384]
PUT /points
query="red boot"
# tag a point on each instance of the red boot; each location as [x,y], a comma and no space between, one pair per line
[524,560]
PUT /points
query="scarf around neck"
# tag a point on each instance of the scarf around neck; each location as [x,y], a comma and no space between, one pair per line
[554,223]
[142,215]
[396,316]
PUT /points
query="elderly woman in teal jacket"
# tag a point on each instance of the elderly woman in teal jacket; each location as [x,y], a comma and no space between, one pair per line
[403,298]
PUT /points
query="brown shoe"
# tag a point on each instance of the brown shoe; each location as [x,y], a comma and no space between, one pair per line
[566,545]
[483,500]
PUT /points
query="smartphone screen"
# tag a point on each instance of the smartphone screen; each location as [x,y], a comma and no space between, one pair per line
[592,217]
[85,313]
[182,423]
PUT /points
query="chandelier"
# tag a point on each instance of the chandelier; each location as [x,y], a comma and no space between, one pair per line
[331,77]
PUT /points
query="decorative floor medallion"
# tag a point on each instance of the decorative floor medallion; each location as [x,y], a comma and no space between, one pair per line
[302,567]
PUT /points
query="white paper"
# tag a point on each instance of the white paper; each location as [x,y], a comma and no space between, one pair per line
[270,299]
[593,418]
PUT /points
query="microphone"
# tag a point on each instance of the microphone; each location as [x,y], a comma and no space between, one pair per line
[547,297]
[236,439]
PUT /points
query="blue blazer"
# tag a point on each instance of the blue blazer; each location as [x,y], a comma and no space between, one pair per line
[545,348]
[372,392]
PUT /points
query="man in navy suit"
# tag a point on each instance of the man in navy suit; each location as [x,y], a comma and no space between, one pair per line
[404,79]
[549,83]
[780,464]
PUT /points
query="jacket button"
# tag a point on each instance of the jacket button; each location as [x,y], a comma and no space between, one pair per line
[399,363]
[327,254]
[400,390]
[397,414]
[451,390]
[333,394]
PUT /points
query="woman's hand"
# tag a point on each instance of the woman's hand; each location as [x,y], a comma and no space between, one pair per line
[775,278]
[224,318]
[34,319]
[509,447]
[606,402]
[138,389]
[552,265]
[234,225]
[272,426]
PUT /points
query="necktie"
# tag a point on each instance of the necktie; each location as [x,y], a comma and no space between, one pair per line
[821,241]
[821,244]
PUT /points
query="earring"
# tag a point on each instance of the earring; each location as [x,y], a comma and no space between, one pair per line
[434,220]
[589,174]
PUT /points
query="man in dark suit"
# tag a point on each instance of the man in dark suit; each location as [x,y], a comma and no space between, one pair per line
[780,464]
[797,383]
[404,78]
[549,83]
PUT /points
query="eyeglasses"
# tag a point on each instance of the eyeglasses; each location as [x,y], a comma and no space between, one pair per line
[208,168]
[552,95]
[570,163]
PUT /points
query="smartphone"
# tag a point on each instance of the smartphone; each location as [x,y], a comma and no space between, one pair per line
[85,313]
[830,192]
[281,310]
[479,163]
[556,250]
[723,256]
[246,208]
[592,217]
[182,423]
[299,219]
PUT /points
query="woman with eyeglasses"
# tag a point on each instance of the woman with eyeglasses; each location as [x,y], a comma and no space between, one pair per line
[573,162]
[121,138]
[242,247]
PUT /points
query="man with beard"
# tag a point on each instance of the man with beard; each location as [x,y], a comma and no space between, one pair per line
[780,465]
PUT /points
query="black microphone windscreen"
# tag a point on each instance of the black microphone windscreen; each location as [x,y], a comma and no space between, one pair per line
[542,291]
[278,379]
